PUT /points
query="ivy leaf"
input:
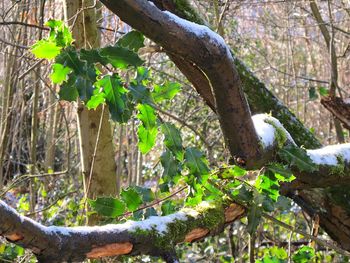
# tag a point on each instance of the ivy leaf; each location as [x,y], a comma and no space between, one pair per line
[254,218]
[132,41]
[282,173]
[92,56]
[68,90]
[268,184]
[115,97]
[147,131]
[59,73]
[96,100]
[324,92]
[168,208]
[131,198]
[147,116]
[146,193]
[165,92]
[140,93]
[312,93]
[170,166]
[45,49]
[147,138]
[59,33]
[108,206]
[195,161]
[298,157]
[243,194]
[120,57]
[150,212]
[173,140]
[85,88]
[304,254]
[69,58]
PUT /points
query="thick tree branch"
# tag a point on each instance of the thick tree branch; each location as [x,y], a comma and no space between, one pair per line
[155,236]
[207,50]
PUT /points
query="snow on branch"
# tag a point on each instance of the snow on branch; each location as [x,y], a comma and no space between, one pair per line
[156,235]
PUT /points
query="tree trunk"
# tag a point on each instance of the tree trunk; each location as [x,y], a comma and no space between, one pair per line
[95,135]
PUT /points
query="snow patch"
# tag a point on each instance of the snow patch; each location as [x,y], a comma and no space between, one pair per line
[158,223]
[328,155]
[266,131]
[200,31]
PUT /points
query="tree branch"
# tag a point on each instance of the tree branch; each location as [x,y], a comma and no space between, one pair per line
[155,236]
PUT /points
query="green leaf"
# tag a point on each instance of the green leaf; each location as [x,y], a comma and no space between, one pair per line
[283,171]
[85,88]
[95,100]
[140,93]
[147,131]
[147,138]
[147,116]
[238,171]
[131,198]
[297,157]
[115,97]
[304,254]
[268,184]
[132,41]
[323,91]
[59,33]
[312,93]
[243,194]
[45,49]
[69,58]
[108,206]
[254,218]
[196,162]
[92,56]
[173,140]
[146,193]
[121,57]
[68,90]
[165,92]
[150,212]
[168,208]
[170,166]
[59,73]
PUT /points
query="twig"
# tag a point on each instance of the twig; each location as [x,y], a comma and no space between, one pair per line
[156,202]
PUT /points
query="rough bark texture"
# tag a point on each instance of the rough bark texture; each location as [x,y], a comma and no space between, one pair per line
[339,109]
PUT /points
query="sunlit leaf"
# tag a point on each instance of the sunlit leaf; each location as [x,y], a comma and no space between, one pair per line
[120,57]
[133,40]
[173,140]
[196,162]
[131,198]
[166,91]
[147,131]
[45,49]
[298,157]
[108,206]
[59,73]
[170,165]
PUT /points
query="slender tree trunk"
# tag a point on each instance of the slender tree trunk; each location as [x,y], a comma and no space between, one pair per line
[95,135]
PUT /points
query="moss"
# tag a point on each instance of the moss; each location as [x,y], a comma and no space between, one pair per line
[338,169]
[185,10]
[280,134]
[210,216]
